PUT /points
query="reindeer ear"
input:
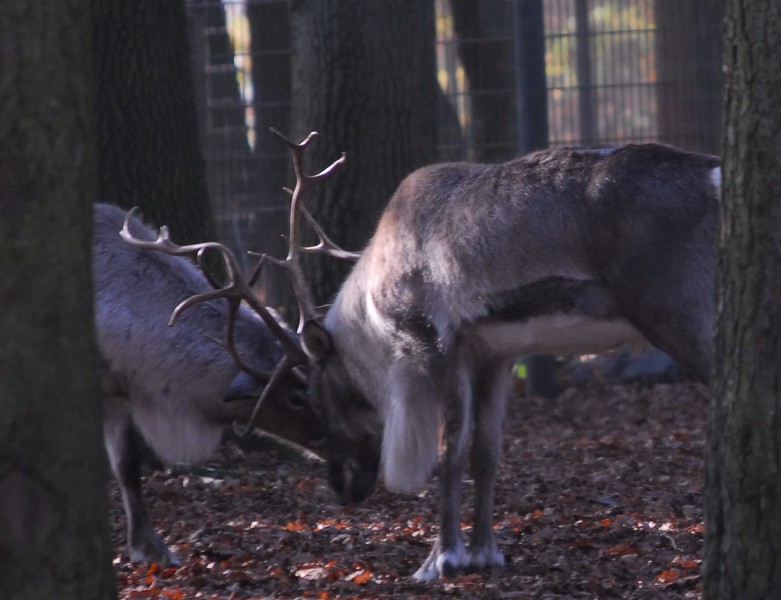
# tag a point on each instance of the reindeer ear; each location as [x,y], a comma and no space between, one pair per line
[316,341]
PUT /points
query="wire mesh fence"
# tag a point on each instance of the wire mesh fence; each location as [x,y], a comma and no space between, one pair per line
[615,71]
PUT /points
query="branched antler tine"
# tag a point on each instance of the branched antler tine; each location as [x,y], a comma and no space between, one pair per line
[164,244]
[235,291]
[233,307]
[328,170]
[293,351]
[197,299]
[297,152]
[205,269]
[326,245]
[297,281]
[284,367]
[290,143]
[292,263]
[262,375]
[229,346]
[258,269]
[305,304]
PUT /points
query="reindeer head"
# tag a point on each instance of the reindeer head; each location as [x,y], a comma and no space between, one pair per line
[353,429]
[353,425]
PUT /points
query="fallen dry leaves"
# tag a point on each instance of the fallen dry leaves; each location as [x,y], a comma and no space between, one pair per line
[599,496]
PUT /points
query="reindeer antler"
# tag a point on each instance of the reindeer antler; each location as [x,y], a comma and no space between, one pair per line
[238,290]
[235,291]
[292,263]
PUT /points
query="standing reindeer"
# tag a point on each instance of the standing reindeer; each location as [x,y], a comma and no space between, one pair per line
[172,385]
[563,251]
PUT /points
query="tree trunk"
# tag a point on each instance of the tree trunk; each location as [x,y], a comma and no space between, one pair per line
[54,532]
[743,489]
[148,150]
[364,76]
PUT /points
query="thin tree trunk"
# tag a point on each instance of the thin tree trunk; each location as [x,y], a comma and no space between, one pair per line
[54,533]
[743,490]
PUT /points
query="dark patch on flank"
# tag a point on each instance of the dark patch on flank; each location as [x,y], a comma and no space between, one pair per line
[554,295]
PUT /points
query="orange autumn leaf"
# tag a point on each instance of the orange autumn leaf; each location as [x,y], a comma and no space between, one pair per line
[295,526]
[621,550]
[276,572]
[668,576]
[698,528]
[360,577]
[689,564]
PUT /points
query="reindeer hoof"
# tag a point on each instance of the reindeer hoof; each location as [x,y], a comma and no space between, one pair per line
[153,551]
[442,563]
[488,557]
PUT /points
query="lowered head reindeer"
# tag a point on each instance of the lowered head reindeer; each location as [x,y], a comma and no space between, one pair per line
[172,386]
[562,251]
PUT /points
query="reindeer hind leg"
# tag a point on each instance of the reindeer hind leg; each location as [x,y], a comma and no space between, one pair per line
[125,455]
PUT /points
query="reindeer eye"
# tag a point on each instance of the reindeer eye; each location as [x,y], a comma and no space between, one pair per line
[297,401]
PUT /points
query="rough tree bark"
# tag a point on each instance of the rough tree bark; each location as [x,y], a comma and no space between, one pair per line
[148,150]
[743,489]
[364,76]
[54,533]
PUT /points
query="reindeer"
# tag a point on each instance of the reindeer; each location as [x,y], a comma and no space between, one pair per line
[563,251]
[172,386]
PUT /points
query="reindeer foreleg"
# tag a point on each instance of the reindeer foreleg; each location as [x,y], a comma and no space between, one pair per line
[449,555]
[491,389]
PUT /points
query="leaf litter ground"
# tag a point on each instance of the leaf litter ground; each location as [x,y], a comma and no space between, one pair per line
[599,496]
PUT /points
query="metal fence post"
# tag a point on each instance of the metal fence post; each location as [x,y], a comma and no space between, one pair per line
[532,94]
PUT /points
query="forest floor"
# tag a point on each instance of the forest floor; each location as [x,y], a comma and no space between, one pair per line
[599,496]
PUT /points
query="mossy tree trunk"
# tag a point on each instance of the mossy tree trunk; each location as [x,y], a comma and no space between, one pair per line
[743,490]
[54,533]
